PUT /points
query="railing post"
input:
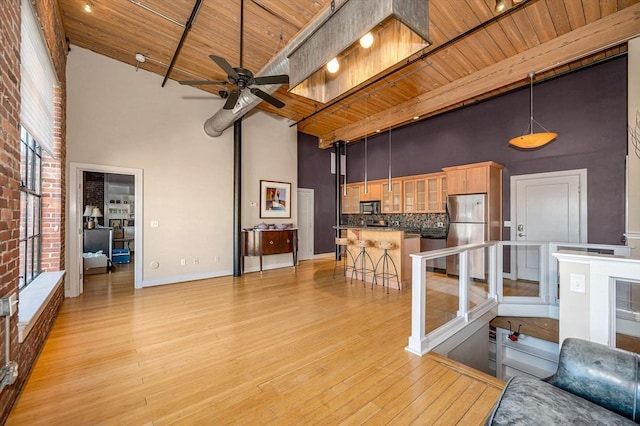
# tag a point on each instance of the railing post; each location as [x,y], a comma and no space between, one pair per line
[463,284]
[418,305]
[495,266]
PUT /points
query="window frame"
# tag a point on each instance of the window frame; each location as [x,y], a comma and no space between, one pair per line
[30,235]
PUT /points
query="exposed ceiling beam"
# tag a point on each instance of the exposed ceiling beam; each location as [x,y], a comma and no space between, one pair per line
[611,30]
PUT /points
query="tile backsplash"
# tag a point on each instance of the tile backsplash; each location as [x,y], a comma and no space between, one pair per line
[404,220]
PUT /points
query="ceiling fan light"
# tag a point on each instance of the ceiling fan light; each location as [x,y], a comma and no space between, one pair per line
[333,66]
[533,140]
[367,40]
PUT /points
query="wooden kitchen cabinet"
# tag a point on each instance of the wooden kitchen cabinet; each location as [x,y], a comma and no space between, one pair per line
[391,200]
[423,193]
[480,178]
[436,193]
[350,198]
[473,178]
[375,191]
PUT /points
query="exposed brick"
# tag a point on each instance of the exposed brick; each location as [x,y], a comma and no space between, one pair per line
[26,352]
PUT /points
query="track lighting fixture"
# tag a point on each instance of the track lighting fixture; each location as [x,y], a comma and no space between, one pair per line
[367,40]
[500,5]
[333,66]
[88,6]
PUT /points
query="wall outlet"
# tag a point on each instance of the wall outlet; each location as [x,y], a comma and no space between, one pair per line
[216,259]
[183,262]
[154,223]
[196,261]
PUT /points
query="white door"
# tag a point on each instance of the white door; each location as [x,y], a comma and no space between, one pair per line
[305,223]
[548,207]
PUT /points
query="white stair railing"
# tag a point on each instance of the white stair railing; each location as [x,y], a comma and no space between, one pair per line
[545,304]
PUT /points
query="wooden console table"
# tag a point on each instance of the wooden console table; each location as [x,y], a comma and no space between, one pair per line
[261,242]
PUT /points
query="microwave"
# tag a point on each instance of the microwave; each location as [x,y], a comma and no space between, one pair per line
[369,207]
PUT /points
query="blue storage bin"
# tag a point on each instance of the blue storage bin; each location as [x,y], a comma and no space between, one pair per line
[121,256]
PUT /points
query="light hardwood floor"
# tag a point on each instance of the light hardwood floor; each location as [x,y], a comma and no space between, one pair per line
[283,347]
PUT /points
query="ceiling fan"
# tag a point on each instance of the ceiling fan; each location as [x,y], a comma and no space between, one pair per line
[241,77]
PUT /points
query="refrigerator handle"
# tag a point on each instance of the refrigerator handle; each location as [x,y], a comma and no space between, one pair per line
[446,212]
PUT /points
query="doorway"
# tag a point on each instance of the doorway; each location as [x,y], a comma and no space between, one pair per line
[76,221]
[546,207]
[305,224]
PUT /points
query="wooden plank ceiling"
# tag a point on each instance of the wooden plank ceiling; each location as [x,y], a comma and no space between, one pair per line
[476,52]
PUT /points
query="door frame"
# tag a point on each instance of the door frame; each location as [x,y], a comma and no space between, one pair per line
[74,199]
[312,230]
[582,173]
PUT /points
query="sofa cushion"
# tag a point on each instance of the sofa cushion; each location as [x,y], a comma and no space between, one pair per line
[528,401]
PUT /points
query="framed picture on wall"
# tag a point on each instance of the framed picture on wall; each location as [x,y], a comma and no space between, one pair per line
[275,199]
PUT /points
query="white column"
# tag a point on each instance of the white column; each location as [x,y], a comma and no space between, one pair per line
[633,166]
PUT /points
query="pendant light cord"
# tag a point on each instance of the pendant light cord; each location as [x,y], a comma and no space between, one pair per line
[389,157]
[531,101]
[533,120]
[366,183]
[344,187]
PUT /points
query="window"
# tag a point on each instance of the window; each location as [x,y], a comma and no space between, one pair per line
[30,208]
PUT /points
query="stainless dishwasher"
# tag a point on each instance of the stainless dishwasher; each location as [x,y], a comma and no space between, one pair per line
[430,242]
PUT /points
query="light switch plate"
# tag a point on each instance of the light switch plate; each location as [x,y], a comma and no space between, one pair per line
[577,283]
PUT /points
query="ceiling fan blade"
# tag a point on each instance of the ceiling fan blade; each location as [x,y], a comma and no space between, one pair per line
[272,79]
[267,97]
[226,67]
[232,99]
[202,82]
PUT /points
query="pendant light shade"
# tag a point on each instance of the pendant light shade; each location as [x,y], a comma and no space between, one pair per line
[533,140]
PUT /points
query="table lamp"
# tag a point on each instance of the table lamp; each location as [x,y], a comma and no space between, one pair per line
[87,215]
[95,214]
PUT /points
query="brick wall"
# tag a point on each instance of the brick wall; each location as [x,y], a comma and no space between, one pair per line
[9,170]
[93,184]
[54,192]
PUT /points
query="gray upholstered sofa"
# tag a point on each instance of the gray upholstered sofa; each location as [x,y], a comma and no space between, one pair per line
[594,385]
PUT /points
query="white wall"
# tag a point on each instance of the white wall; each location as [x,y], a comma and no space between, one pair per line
[119,117]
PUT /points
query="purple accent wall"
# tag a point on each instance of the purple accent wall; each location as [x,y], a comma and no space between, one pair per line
[587,109]
[314,172]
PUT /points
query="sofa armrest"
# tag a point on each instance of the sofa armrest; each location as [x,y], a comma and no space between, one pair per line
[601,374]
[526,401]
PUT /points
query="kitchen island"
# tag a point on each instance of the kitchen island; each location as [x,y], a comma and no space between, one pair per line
[407,242]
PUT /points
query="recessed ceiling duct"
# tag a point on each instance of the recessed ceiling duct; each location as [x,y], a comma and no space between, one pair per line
[400,28]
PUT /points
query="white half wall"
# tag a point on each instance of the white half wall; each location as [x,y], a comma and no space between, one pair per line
[122,117]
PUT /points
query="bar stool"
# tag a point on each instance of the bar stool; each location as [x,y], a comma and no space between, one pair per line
[361,260]
[386,274]
[343,243]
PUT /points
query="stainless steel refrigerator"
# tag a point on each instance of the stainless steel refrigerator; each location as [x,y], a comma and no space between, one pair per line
[467,225]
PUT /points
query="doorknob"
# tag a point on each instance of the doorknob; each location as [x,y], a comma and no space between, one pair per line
[520,234]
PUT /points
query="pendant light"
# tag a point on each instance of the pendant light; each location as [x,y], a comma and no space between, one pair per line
[344,187]
[390,186]
[533,140]
[366,183]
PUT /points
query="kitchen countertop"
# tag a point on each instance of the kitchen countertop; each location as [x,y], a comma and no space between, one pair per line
[407,233]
